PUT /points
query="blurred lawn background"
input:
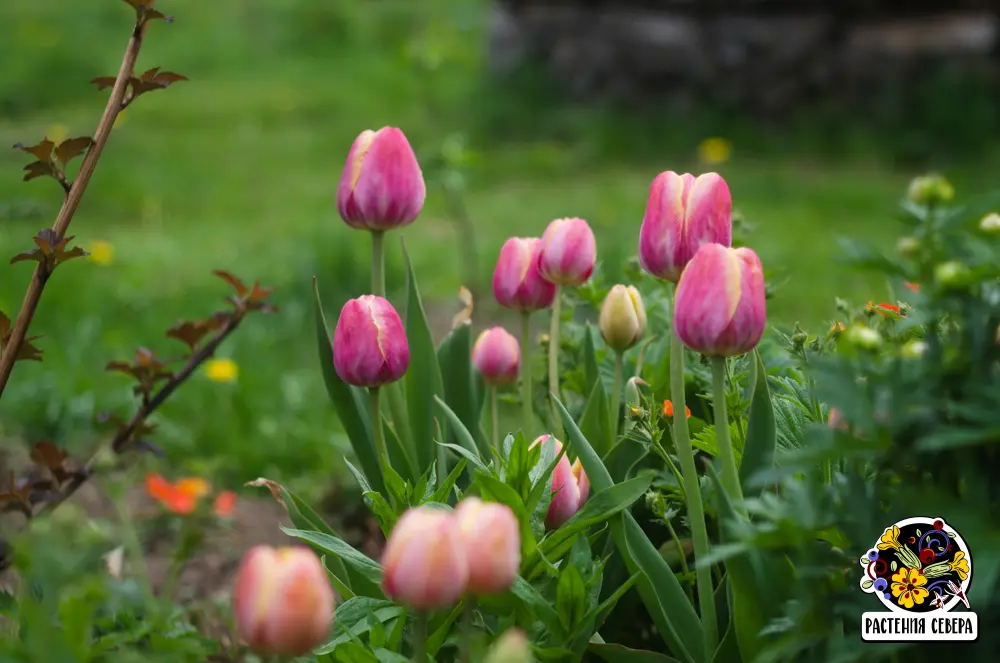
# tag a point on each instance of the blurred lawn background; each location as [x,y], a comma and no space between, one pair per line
[237,168]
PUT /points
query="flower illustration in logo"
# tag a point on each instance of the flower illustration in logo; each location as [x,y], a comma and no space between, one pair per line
[918,565]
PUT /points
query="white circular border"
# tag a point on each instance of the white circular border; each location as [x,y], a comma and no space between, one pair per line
[951,602]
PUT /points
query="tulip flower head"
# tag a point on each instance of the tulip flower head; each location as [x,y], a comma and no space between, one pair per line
[720,309]
[570,487]
[369,344]
[684,213]
[491,536]
[517,283]
[282,601]
[424,560]
[497,356]
[511,647]
[623,318]
[568,252]
[381,187]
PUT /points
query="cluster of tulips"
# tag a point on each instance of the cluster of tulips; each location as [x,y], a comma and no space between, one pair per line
[433,557]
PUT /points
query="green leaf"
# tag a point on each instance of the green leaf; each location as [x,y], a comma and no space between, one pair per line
[442,493]
[349,401]
[591,369]
[662,594]
[352,619]
[601,612]
[423,377]
[469,456]
[368,569]
[762,434]
[441,632]
[462,433]
[383,513]
[352,652]
[492,489]
[595,420]
[623,457]
[571,596]
[394,410]
[621,654]
[389,656]
[539,606]
[398,490]
[455,359]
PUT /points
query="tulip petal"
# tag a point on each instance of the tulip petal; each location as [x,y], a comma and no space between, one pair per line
[707,297]
[708,215]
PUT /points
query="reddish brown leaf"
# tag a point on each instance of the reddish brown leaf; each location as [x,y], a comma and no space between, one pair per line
[167,77]
[46,239]
[38,169]
[72,148]
[141,5]
[28,351]
[33,254]
[258,293]
[190,333]
[104,82]
[145,357]
[42,151]
[149,74]
[121,367]
[47,454]
[152,13]
[4,325]
[237,284]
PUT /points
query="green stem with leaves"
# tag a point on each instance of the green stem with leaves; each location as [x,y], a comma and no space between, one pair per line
[468,630]
[419,643]
[692,494]
[378,435]
[730,473]
[526,371]
[378,263]
[495,416]
[554,362]
[616,396]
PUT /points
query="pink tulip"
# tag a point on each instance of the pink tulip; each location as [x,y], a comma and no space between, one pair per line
[684,212]
[568,252]
[517,283]
[369,345]
[282,601]
[491,537]
[720,309]
[570,487]
[381,187]
[497,356]
[425,563]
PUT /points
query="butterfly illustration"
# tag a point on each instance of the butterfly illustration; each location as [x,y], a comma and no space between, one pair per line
[938,601]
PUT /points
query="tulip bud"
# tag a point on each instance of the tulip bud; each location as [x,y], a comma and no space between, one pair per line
[517,283]
[623,318]
[570,487]
[381,187]
[425,563]
[282,601]
[719,308]
[567,252]
[369,344]
[491,536]
[511,647]
[497,356]
[990,223]
[684,212]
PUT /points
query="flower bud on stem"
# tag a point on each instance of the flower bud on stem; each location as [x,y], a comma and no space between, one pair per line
[730,475]
[378,263]
[554,361]
[468,631]
[692,492]
[495,415]
[616,395]
[526,371]
[378,435]
[419,643]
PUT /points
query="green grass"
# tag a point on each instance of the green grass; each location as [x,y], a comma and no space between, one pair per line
[237,170]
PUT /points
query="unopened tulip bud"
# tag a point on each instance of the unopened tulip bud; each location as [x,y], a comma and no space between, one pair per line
[497,356]
[381,187]
[424,560]
[684,212]
[282,602]
[930,189]
[369,344]
[517,283]
[570,487]
[990,224]
[720,309]
[568,252]
[511,647]
[491,536]
[623,318]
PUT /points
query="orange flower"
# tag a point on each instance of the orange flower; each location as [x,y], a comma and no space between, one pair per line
[668,409]
[882,308]
[915,287]
[225,504]
[181,497]
[837,328]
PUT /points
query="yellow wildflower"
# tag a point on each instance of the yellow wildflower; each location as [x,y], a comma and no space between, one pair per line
[715,150]
[890,539]
[960,565]
[221,370]
[101,252]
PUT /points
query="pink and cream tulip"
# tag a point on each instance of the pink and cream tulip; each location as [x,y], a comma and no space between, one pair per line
[568,252]
[497,356]
[684,213]
[517,283]
[381,187]
[282,601]
[623,318]
[491,537]
[424,560]
[369,344]
[570,487]
[720,308]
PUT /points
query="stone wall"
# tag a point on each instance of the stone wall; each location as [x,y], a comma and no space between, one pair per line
[766,61]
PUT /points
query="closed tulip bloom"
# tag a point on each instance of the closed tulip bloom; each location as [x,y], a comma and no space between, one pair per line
[511,647]
[623,318]
[424,560]
[720,309]
[568,252]
[517,283]
[684,212]
[497,356]
[282,601]
[491,537]
[570,487]
[369,344]
[381,187]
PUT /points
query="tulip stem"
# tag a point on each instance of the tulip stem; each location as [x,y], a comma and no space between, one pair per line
[730,474]
[495,415]
[616,397]
[692,493]
[378,263]
[420,637]
[526,371]
[554,362]
[468,617]
[378,435]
